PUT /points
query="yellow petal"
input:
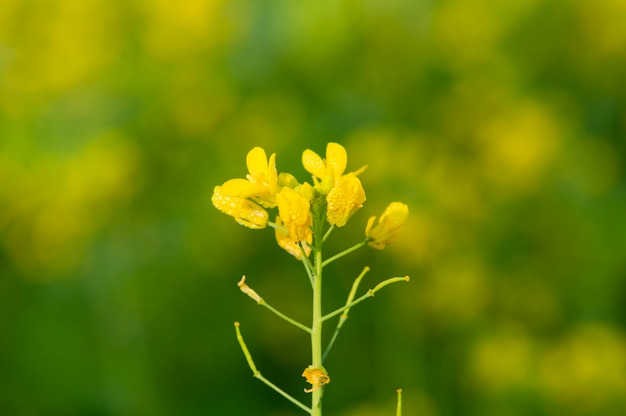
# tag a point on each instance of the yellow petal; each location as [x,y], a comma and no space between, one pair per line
[244,211]
[262,174]
[272,174]
[238,187]
[336,160]
[256,160]
[291,245]
[344,199]
[369,225]
[314,164]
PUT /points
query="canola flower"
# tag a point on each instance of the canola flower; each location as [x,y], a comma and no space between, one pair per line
[388,227]
[306,214]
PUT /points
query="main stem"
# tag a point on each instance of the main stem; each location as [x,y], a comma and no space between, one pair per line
[316,329]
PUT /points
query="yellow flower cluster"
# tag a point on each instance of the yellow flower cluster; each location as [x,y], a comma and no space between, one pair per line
[340,194]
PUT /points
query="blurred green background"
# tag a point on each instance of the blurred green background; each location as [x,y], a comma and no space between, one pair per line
[501,124]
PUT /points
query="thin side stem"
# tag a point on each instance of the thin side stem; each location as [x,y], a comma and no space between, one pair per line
[307,265]
[257,374]
[370,293]
[330,230]
[285,317]
[344,315]
[345,252]
[252,294]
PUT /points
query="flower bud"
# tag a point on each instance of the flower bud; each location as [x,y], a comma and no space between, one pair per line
[388,227]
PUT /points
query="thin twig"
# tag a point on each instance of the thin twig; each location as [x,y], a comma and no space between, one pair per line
[344,315]
[330,230]
[346,251]
[369,294]
[259,300]
[257,374]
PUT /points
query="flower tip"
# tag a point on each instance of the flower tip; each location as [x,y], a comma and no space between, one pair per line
[399,390]
[248,290]
[237,324]
[242,281]
[366,269]
[407,278]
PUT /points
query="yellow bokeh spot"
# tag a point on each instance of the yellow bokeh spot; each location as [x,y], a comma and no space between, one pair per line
[502,361]
[191,27]
[456,293]
[585,369]
[58,202]
[518,146]
[62,44]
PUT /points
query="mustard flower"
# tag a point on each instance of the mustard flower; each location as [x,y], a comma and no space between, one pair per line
[388,227]
[327,171]
[245,211]
[344,199]
[244,199]
[262,175]
[294,211]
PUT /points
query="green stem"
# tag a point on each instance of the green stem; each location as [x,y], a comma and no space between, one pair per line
[344,315]
[316,329]
[285,317]
[330,230]
[346,251]
[369,294]
[252,294]
[257,374]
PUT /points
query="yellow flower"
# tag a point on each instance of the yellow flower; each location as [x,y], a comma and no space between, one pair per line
[291,245]
[389,225]
[245,211]
[327,171]
[344,193]
[295,213]
[344,199]
[243,198]
[262,175]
